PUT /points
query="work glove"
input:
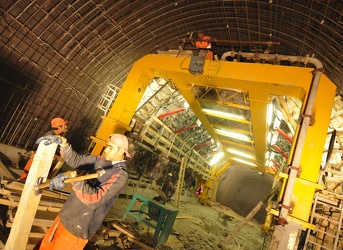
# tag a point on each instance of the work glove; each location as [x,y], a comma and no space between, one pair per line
[60,140]
[58,182]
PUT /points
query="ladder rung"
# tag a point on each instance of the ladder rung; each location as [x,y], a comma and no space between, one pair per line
[325,204]
[326,233]
[338,196]
[325,218]
[324,200]
[314,243]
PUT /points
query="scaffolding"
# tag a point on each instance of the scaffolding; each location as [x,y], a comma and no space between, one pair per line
[327,211]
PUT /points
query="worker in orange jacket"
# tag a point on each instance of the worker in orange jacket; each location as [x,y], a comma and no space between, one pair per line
[59,127]
[204,44]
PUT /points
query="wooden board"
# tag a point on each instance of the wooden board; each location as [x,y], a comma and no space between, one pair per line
[161,194]
[29,202]
[56,169]
[5,172]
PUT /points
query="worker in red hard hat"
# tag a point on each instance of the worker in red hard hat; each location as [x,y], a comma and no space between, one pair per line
[85,209]
[59,127]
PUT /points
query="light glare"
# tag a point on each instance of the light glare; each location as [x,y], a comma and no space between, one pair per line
[245,162]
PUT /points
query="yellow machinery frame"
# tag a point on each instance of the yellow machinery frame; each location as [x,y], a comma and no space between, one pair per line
[260,81]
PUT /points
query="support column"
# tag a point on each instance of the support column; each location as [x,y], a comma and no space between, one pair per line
[285,237]
[180,182]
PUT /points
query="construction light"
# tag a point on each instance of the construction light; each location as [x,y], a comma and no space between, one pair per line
[198,122]
[222,114]
[185,104]
[272,137]
[244,162]
[234,135]
[270,113]
[215,159]
[240,153]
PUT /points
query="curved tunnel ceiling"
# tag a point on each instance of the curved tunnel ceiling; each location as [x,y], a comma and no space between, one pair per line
[57,58]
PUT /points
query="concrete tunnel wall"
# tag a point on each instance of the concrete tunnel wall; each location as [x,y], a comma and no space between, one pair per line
[241,189]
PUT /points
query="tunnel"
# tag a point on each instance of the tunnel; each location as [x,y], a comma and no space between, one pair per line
[267,103]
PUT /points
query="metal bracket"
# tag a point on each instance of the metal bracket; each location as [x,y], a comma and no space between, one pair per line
[312,120]
[196,66]
[298,169]
[317,70]
[282,221]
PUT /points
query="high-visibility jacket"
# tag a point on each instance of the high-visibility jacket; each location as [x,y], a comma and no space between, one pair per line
[203,44]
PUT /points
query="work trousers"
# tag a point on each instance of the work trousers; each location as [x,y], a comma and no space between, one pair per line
[59,238]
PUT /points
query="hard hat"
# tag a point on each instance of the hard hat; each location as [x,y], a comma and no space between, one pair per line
[121,141]
[58,122]
[170,174]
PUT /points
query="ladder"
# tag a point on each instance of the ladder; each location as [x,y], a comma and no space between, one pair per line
[327,210]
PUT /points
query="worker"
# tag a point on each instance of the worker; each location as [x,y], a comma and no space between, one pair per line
[58,127]
[200,189]
[204,44]
[88,204]
[167,189]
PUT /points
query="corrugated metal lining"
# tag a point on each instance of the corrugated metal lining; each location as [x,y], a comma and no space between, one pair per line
[57,57]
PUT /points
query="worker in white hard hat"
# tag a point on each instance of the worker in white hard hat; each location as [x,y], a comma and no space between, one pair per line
[168,187]
[84,211]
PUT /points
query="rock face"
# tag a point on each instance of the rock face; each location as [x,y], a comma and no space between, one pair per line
[247,187]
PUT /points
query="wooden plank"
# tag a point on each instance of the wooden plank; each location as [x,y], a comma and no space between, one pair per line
[29,202]
[36,235]
[56,169]
[140,243]
[179,186]
[15,186]
[5,172]
[247,218]
[29,247]
[114,233]
[124,230]
[120,243]
[45,201]
[9,203]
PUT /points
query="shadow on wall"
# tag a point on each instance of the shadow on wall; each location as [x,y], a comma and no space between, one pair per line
[79,134]
[23,105]
[241,189]
[5,160]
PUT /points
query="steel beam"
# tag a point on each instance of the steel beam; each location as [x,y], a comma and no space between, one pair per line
[260,81]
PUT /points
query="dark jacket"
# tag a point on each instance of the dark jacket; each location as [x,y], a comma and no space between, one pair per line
[85,209]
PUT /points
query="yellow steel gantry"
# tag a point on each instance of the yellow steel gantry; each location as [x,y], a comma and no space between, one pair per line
[260,81]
